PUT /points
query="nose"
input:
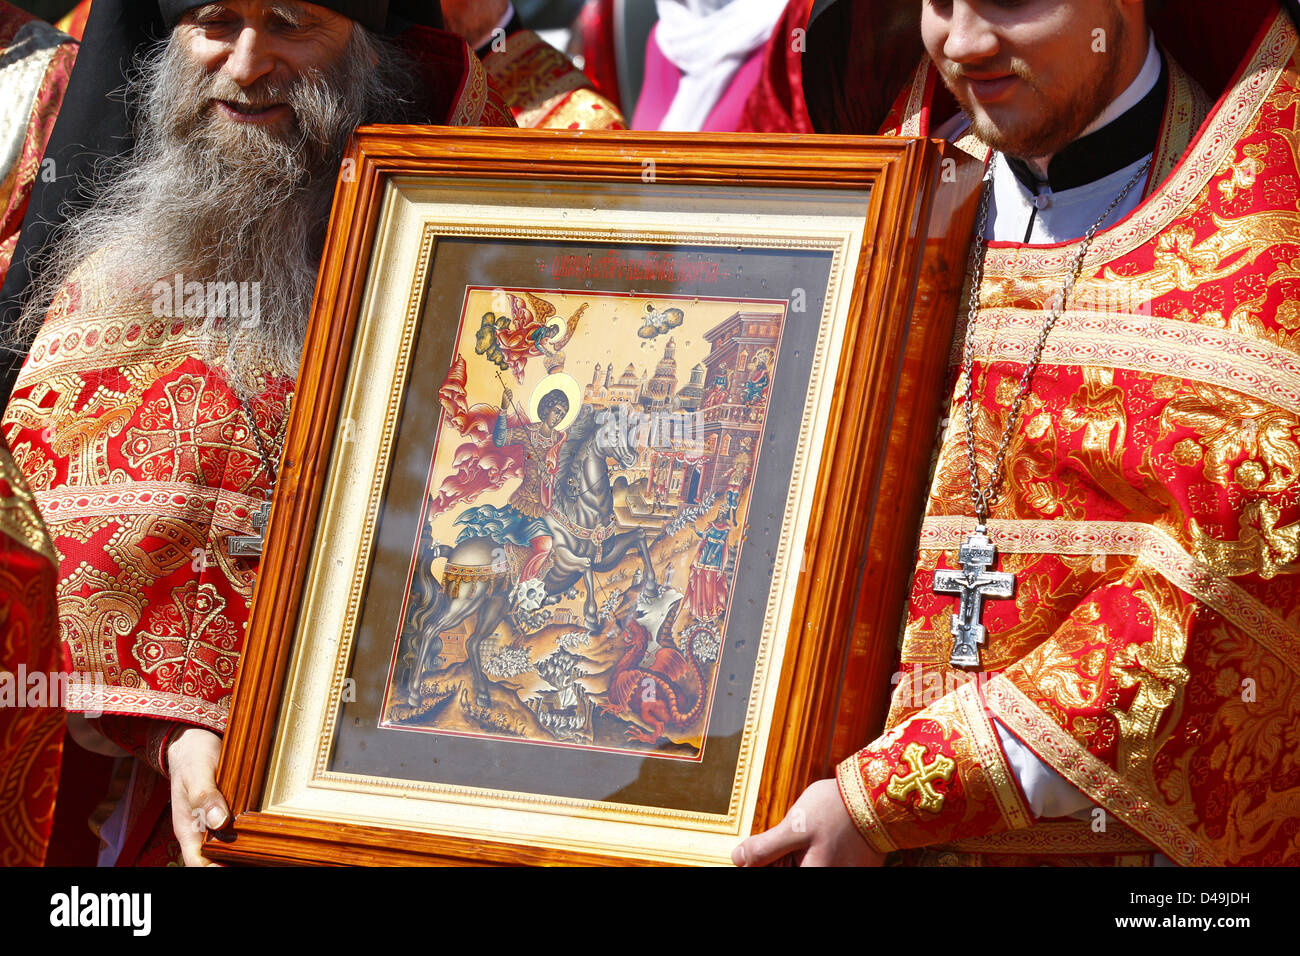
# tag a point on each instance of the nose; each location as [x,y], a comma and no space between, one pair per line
[971,38]
[250,57]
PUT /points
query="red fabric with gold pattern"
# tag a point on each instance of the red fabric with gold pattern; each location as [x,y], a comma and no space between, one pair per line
[544,90]
[31,723]
[777,104]
[941,764]
[1151,654]
[143,464]
[40,77]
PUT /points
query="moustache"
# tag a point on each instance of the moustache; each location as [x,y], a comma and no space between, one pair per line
[956,76]
[260,96]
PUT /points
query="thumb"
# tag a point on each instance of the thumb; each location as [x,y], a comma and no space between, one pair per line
[202,793]
[763,849]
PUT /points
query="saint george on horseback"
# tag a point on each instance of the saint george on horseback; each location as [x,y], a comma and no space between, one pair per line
[562,512]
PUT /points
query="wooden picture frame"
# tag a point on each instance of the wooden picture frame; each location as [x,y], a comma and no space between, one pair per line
[406,765]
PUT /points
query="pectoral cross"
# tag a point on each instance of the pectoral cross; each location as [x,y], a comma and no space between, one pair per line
[250,545]
[973,583]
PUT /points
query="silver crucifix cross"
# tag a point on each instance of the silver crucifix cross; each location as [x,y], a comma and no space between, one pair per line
[973,583]
[250,545]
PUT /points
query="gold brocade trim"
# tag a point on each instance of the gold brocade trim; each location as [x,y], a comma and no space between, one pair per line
[1155,547]
[127,331]
[473,95]
[972,144]
[535,118]
[1186,106]
[1207,157]
[1143,343]
[1065,838]
[989,752]
[858,803]
[96,699]
[1056,747]
[23,65]
[911,125]
[20,518]
[927,647]
[222,508]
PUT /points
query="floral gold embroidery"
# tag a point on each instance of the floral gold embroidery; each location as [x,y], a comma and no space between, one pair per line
[1230,425]
[1187,453]
[1241,175]
[1263,548]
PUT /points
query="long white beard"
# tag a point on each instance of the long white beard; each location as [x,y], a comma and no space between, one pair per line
[217,202]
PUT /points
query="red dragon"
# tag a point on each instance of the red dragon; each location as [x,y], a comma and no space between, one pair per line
[654,694]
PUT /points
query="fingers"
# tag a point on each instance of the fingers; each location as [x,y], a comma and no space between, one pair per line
[197,804]
[763,849]
[189,824]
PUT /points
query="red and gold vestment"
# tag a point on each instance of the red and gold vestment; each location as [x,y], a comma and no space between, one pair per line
[1150,513]
[31,722]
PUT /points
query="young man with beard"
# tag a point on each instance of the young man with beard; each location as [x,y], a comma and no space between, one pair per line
[1122,452]
[150,410]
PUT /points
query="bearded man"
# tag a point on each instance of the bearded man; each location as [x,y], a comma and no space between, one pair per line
[1102,648]
[150,410]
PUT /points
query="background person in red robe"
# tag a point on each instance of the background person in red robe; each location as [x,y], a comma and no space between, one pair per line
[151,435]
[37,65]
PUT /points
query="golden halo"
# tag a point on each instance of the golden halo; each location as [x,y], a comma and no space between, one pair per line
[560,325]
[567,384]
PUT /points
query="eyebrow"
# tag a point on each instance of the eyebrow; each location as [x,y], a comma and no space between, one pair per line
[207,10]
[294,14]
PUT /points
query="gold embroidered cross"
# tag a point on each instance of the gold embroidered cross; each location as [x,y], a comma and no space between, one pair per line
[900,785]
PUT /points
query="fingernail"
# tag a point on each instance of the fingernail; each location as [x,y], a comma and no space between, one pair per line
[215,817]
[744,857]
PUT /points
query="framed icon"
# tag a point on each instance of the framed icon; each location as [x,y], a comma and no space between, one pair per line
[599,495]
